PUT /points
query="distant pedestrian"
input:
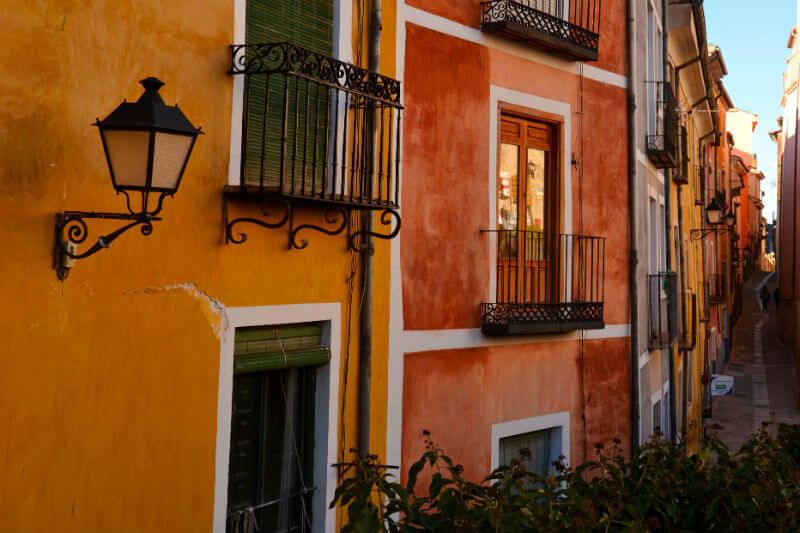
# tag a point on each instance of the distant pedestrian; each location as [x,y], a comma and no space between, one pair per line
[777,296]
[764,298]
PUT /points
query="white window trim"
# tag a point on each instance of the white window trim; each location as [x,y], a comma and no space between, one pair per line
[498,95]
[326,403]
[342,50]
[557,421]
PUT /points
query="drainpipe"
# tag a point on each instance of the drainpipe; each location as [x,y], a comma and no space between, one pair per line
[632,229]
[794,205]
[682,267]
[668,231]
[365,324]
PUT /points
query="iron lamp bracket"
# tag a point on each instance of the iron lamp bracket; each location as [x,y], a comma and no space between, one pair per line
[698,234]
[71,230]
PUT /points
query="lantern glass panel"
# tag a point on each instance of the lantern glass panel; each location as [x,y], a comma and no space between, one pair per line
[714,216]
[169,156]
[127,153]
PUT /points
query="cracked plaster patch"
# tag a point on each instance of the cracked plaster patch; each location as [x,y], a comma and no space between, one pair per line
[216,308]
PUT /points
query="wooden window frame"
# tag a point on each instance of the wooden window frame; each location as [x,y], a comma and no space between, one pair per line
[555,208]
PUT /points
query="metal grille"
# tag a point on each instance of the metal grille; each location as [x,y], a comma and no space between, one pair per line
[663,307]
[579,27]
[330,130]
[546,282]
[716,288]
[662,143]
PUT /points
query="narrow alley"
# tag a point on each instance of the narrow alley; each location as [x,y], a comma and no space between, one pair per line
[761,366]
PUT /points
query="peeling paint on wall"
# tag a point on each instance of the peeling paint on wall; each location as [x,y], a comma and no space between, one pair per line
[216,309]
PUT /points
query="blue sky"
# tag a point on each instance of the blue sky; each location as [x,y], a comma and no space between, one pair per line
[753,36]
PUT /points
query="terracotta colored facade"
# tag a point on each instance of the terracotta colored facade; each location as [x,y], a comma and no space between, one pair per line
[457,382]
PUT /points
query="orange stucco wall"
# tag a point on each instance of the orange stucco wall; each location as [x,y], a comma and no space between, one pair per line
[458,394]
[612,25]
[109,380]
[446,164]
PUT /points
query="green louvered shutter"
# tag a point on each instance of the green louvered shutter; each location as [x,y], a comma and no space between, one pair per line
[307,23]
[272,425]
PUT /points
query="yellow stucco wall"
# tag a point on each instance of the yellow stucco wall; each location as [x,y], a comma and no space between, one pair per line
[109,380]
[692,283]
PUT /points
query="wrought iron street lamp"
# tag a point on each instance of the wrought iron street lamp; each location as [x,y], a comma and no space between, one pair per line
[730,220]
[714,212]
[715,216]
[147,145]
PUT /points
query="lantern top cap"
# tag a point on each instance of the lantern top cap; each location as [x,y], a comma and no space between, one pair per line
[713,205]
[149,112]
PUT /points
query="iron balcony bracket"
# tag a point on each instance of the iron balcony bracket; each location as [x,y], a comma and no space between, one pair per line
[71,230]
[280,211]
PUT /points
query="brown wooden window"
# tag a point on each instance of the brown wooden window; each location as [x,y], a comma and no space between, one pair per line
[546,280]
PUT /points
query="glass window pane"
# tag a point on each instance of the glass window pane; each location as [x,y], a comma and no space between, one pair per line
[507,187]
[128,151]
[169,154]
[535,197]
[507,205]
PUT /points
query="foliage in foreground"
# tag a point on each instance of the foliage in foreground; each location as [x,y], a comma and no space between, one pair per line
[660,489]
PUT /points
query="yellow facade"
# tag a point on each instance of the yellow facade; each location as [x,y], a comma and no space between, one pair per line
[690,351]
[109,380]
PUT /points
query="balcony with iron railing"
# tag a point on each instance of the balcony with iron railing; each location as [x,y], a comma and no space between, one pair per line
[662,302]
[662,138]
[716,288]
[546,282]
[682,172]
[569,28]
[316,132]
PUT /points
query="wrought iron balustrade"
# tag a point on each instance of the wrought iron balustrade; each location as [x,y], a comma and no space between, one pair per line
[546,282]
[662,301]
[569,28]
[682,173]
[663,130]
[316,131]
[716,288]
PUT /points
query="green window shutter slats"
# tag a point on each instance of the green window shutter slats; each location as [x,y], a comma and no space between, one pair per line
[260,362]
[271,99]
[260,349]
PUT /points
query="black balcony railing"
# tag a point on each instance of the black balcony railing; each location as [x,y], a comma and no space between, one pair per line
[546,282]
[662,139]
[716,288]
[682,173]
[663,310]
[572,30]
[316,131]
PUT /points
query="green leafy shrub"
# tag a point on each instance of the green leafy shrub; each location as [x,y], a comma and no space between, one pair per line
[660,488]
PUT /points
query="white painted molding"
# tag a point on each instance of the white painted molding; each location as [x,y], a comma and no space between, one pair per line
[467,33]
[533,102]
[453,339]
[557,421]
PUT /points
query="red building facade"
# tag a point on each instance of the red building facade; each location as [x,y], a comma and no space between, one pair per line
[503,334]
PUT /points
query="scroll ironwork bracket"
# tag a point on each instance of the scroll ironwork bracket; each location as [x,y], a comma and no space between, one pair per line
[698,234]
[338,218]
[71,230]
